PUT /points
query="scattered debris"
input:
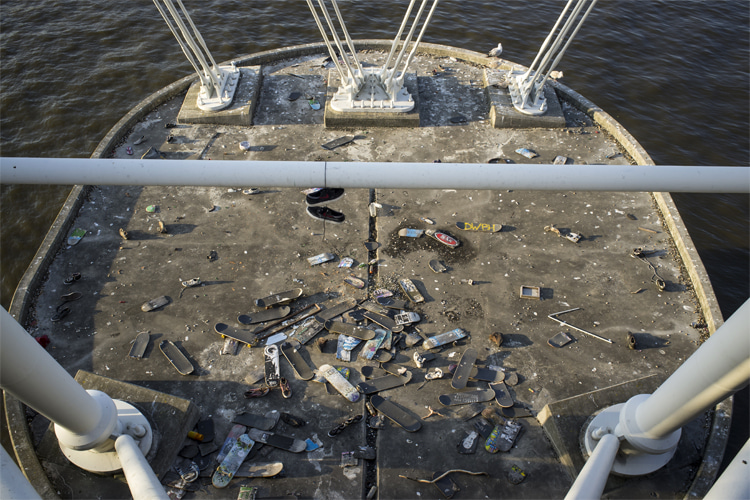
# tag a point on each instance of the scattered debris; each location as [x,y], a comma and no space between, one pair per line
[554,317]
[527,153]
[530,292]
[560,340]
[320,258]
[341,141]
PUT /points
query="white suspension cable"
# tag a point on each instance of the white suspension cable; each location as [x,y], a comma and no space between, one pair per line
[326,40]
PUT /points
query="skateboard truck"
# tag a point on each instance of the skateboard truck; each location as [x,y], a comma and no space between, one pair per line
[554,317]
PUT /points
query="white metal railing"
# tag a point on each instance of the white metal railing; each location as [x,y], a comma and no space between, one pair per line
[371,89]
[218,83]
[230,173]
[527,87]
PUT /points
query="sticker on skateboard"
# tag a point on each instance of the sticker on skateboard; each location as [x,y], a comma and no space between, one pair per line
[139,345]
[442,237]
[400,416]
[279,298]
[319,259]
[502,438]
[502,396]
[344,347]
[391,303]
[384,383]
[337,380]
[176,357]
[264,315]
[468,443]
[444,338]
[487,375]
[231,463]
[406,318]
[372,346]
[354,282]
[271,356]
[410,289]
[269,469]
[384,321]
[277,440]
[467,397]
[463,370]
[244,336]
[483,227]
[295,359]
[307,331]
[350,330]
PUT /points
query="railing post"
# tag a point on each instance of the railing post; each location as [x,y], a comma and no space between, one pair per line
[593,477]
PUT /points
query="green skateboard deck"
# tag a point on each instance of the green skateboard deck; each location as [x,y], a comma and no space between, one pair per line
[391,303]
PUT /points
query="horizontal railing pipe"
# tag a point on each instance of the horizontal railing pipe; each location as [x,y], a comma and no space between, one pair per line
[133,172]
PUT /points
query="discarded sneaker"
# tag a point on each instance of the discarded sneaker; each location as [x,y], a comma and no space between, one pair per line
[286,389]
[71,297]
[325,195]
[72,278]
[292,420]
[257,392]
[61,313]
[325,214]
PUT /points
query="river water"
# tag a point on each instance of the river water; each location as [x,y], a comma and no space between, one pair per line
[674,73]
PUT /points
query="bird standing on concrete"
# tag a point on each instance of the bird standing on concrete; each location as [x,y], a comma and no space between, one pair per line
[496,51]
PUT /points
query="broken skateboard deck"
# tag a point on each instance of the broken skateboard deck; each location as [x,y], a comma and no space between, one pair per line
[295,359]
[277,440]
[269,469]
[350,330]
[139,345]
[231,463]
[502,396]
[264,315]
[396,413]
[337,380]
[391,303]
[480,226]
[244,336]
[442,237]
[384,321]
[467,397]
[384,383]
[271,356]
[463,370]
[411,291]
[444,338]
[176,357]
[307,331]
[279,298]
[437,266]
[487,375]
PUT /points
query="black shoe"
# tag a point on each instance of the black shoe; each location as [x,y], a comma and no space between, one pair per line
[325,214]
[325,195]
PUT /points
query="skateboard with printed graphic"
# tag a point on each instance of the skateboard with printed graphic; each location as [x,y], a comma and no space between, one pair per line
[467,397]
[350,330]
[337,380]
[502,438]
[231,463]
[461,375]
[307,331]
[444,338]
[264,315]
[384,383]
[244,336]
[271,356]
[279,298]
[372,346]
[411,291]
[295,359]
[277,440]
[396,413]
[176,357]
[443,238]
[483,227]
[234,434]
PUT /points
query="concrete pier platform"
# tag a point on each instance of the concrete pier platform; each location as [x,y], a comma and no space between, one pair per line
[248,243]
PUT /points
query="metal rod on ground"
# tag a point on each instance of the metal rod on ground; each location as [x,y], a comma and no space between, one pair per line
[563,323]
[621,178]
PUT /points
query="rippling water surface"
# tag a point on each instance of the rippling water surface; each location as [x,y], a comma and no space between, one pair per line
[674,73]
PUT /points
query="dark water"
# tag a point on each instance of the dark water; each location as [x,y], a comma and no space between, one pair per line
[675,73]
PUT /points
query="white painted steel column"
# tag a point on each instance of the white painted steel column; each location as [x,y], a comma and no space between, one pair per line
[734,482]
[143,483]
[13,484]
[716,370]
[131,172]
[31,375]
[589,484]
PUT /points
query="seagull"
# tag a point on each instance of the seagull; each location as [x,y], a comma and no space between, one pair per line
[496,51]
